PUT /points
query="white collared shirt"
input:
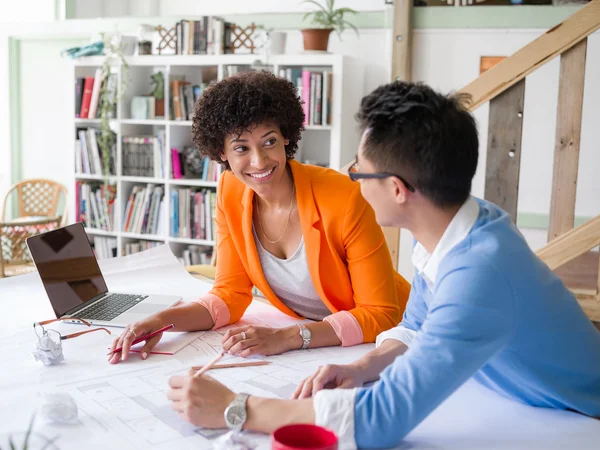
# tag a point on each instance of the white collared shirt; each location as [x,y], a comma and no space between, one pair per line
[335,408]
[427,264]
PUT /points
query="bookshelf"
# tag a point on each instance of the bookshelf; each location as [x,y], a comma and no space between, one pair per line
[333,144]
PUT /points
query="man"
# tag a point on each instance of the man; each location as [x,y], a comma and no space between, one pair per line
[482,304]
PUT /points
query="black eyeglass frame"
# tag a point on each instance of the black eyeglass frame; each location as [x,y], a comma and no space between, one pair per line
[355,176]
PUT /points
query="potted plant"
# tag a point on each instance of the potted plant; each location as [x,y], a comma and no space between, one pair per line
[110,94]
[326,19]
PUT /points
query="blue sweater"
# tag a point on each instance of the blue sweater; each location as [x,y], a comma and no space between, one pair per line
[496,313]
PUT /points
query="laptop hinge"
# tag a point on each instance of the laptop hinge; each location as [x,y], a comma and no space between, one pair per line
[85,304]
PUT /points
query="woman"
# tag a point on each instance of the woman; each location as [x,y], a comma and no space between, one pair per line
[303,235]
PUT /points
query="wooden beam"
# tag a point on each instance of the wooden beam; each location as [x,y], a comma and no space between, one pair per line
[590,305]
[504,149]
[401,70]
[534,55]
[571,244]
[568,140]
[402,44]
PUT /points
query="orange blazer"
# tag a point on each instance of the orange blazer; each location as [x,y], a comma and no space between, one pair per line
[347,255]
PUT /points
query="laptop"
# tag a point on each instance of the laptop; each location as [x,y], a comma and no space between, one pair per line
[75,286]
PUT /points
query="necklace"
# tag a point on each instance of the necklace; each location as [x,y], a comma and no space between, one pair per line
[262,229]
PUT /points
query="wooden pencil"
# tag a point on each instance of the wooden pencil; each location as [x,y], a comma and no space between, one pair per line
[232,365]
[209,365]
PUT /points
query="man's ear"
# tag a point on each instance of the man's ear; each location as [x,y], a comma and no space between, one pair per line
[400,191]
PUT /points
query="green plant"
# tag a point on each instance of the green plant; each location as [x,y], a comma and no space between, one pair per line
[110,95]
[158,85]
[328,17]
[27,439]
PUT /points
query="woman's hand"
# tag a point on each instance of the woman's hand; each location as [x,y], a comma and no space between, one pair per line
[201,401]
[330,377]
[133,331]
[250,340]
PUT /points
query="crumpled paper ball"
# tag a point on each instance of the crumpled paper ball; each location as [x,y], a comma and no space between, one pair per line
[234,440]
[59,407]
[48,351]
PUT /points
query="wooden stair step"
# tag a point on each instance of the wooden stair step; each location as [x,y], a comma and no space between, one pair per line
[581,274]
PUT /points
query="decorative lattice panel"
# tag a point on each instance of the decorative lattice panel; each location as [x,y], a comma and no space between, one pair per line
[38,198]
[12,239]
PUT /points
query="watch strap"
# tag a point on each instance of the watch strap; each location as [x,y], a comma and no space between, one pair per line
[305,339]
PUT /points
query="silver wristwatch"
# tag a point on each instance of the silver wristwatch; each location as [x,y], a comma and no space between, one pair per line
[235,414]
[306,335]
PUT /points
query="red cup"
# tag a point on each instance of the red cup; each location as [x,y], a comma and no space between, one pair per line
[304,436]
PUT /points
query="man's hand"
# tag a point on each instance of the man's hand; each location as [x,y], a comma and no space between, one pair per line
[330,377]
[201,401]
[250,340]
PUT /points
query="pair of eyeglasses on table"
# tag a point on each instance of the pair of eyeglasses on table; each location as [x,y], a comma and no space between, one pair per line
[355,175]
[56,336]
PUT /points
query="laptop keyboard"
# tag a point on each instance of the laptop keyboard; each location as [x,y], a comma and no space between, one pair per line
[110,307]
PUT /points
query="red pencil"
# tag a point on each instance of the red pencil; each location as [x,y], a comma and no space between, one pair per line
[144,338]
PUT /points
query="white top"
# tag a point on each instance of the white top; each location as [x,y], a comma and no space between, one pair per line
[290,281]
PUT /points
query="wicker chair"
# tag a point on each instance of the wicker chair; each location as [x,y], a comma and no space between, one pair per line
[36,203]
[205,271]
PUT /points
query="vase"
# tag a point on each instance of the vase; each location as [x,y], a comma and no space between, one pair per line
[316,38]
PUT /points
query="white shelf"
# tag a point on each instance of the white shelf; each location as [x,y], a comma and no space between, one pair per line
[334,144]
[97,232]
[144,122]
[318,127]
[145,180]
[147,237]
[87,121]
[292,59]
[192,241]
[91,177]
[193,182]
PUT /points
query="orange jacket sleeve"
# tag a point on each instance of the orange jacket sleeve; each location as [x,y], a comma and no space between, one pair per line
[232,283]
[380,293]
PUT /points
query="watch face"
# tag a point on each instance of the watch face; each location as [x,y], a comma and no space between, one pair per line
[236,415]
[306,334]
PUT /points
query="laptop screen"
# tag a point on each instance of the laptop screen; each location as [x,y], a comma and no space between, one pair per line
[67,266]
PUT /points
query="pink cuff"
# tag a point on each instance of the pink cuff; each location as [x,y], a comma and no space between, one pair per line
[346,328]
[217,308]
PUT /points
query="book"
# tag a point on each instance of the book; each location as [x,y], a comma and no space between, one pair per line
[78,95]
[86,98]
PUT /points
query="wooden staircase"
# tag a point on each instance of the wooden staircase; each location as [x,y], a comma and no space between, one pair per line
[570,251]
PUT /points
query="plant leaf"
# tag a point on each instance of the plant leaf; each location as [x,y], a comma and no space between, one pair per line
[12,444]
[28,433]
[343,11]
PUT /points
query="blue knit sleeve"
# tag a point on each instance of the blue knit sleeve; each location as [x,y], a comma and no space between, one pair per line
[470,319]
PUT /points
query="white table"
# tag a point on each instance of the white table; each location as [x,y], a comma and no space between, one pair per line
[124,406]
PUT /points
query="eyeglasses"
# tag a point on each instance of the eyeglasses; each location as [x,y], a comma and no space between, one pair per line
[355,175]
[41,332]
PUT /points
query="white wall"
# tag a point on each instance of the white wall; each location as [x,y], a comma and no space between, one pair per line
[5,168]
[46,121]
[14,12]
[449,59]
[85,9]
[27,11]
